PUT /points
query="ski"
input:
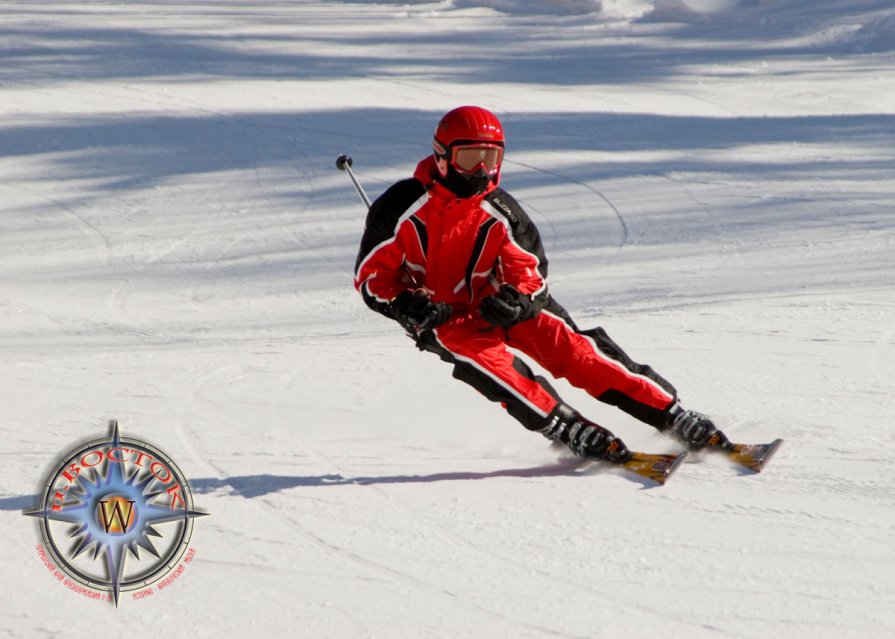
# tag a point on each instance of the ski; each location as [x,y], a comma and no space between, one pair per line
[658,468]
[751,456]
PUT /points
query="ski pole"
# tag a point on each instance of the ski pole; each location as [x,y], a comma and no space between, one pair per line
[412,329]
[343,163]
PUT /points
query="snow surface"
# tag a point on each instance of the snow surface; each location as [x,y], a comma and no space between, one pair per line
[714,183]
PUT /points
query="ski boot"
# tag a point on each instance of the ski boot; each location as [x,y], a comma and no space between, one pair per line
[694,429]
[583,437]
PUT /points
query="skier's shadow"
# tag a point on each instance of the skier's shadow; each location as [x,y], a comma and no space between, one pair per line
[250,486]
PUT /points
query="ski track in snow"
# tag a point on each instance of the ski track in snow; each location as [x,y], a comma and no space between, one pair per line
[193,442]
[712,181]
[623,227]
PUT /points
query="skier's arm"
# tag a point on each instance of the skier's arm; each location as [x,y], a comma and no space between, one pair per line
[523,262]
[524,231]
[379,273]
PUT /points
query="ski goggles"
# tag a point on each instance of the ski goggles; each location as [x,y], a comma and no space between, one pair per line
[470,158]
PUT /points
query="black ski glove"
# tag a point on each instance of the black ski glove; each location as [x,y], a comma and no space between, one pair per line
[507,307]
[420,310]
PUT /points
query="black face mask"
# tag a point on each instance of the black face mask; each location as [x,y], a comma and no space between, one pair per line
[463,185]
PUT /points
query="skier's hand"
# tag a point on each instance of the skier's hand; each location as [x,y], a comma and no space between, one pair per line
[419,309]
[506,308]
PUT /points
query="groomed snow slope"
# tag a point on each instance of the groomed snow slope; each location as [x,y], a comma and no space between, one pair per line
[714,183]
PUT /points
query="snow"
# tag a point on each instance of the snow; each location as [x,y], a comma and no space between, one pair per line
[713,181]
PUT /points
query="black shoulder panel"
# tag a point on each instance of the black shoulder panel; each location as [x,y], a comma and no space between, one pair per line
[525,233]
[385,212]
[508,206]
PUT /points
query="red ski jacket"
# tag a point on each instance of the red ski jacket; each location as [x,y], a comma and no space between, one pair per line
[420,235]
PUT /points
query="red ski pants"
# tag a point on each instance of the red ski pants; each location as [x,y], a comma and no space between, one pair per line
[587,359]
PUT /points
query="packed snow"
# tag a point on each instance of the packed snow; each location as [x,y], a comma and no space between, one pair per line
[713,180]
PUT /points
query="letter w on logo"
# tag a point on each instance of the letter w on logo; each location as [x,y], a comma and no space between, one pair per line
[114,520]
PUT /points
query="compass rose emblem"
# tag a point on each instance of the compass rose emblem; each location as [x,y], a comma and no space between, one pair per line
[116,514]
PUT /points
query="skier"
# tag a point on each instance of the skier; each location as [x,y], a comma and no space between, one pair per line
[459,264]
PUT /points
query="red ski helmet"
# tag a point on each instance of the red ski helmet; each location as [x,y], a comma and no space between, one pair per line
[469,139]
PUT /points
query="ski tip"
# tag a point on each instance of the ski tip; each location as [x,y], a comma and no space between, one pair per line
[755,458]
[771,450]
[678,460]
[657,468]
